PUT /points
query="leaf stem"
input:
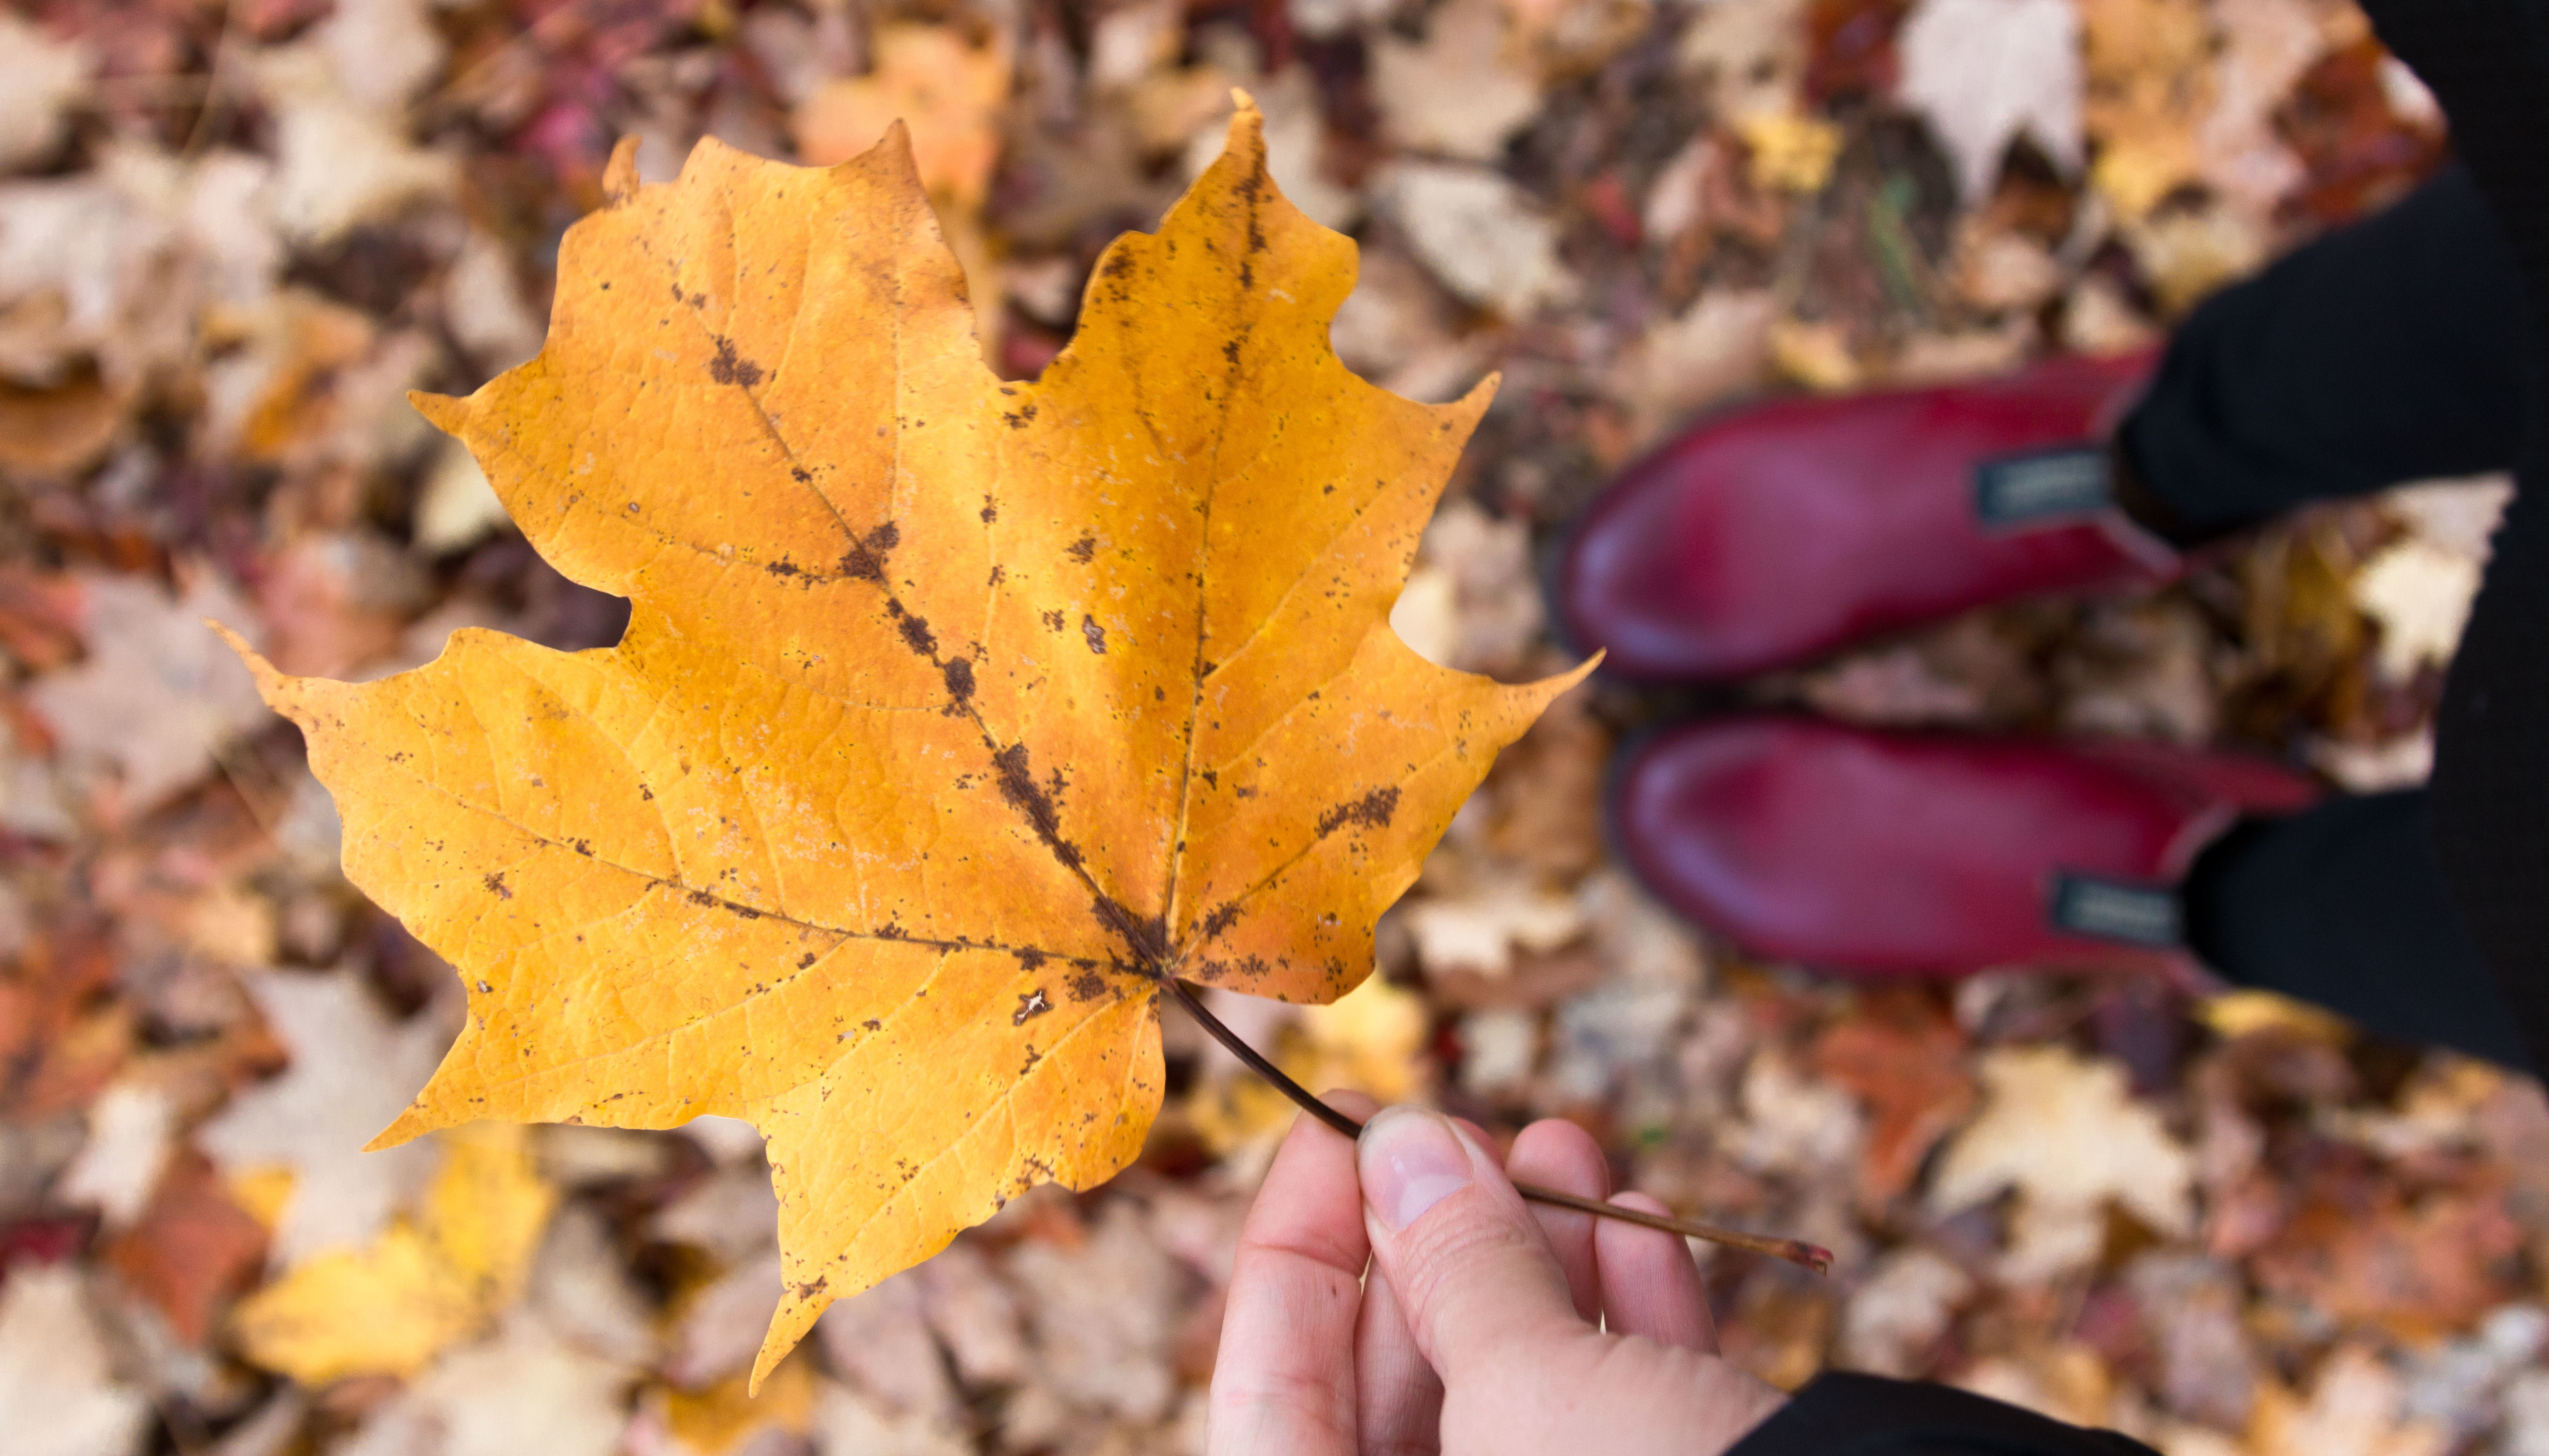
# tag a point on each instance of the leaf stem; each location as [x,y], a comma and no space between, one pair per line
[1795,1251]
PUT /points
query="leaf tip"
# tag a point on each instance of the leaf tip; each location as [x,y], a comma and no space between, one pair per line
[446,413]
[408,1127]
[619,174]
[270,681]
[1577,674]
[1247,126]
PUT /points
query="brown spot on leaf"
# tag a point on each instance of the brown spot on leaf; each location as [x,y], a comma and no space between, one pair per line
[729,368]
[1084,550]
[495,885]
[1095,634]
[1019,788]
[1030,1005]
[1372,811]
[915,631]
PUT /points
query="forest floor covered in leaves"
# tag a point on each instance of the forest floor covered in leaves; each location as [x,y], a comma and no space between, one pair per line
[231,234]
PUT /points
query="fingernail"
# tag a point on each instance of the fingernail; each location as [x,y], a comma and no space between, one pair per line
[1409,1160]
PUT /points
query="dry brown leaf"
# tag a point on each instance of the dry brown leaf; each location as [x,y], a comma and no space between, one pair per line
[2151,80]
[57,1382]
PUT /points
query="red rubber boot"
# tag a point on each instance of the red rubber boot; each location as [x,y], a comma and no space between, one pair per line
[1907,855]
[1777,533]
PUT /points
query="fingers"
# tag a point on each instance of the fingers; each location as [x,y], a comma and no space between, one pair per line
[1284,1378]
[1398,1398]
[1556,1154]
[1651,1283]
[1466,1260]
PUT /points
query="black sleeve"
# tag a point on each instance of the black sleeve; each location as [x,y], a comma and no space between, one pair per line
[2487,62]
[1840,1415]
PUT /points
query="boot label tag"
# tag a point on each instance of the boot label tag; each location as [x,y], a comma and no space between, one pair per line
[2015,491]
[2113,910]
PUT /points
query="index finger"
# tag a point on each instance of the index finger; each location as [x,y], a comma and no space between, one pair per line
[1284,1381]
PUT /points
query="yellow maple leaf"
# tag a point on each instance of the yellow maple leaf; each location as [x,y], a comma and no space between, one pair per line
[952,715]
[426,1282]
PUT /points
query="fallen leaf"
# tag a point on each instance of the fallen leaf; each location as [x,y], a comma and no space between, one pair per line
[39,75]
[730,1214]
[1817,355]
[847,1424]
[425,1284]
[1791,1122]
[722,1321]
[2188,252]
[128,1142]
[58,429]
[2208,1365]
[1370,1039]
[2353,1410]
[1462,90]
[2064,1131]
[1897,1318]
[192,1247]
[2064,1380]
[1747,56]
[879,1338]
[581,1288]
[350,1065]
[93,275]
[731,1418]
[1716,349]
[343,163]
[897,702]
[380,52]
[1985,72]
[1480,235]
[1482,930]
[528,1390]
[2420,593]
[63,1034]
[1103,1314]
[483,303]
[932,79]
[56,1383]
[2149,78]
[975,1314]
[155,698]
[1790,152]
[2266,46]
[1903,1058]
[2369,1256]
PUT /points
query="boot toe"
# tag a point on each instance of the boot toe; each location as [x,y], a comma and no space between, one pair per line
[1893,853]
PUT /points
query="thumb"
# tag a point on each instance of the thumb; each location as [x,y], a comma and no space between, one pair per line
[1471,1269]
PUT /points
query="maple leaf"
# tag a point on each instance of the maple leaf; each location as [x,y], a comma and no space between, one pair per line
[350,1068]
[425,1283]
[952,716]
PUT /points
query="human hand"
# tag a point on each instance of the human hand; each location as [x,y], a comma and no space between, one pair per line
[1476,1333]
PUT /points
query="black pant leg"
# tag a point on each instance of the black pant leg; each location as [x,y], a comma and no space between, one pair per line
[2389,350]
[2343,905]
[2487,63]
